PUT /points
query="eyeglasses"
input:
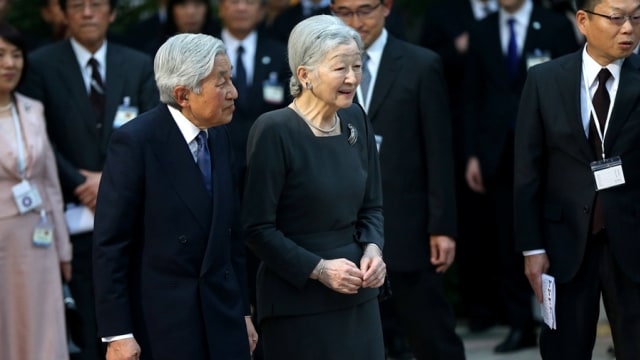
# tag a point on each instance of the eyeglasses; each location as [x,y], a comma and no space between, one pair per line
[78,6]
[362,12]
[618,20]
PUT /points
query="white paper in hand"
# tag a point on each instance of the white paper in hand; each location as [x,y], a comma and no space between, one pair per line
[548,306]
[79,219]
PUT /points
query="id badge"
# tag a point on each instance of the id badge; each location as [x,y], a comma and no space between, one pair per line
[538,57]
[43,232]
[124,115]
[608,173]
[273,93]
[26,196]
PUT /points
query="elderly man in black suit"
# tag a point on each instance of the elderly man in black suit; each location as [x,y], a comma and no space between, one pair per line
[501,49]
[172,279]
[404,94]
[89,86]
[577,182]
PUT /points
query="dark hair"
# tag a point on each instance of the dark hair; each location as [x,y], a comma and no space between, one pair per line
[113,4]
[171,28]
[11,35]
[586,4]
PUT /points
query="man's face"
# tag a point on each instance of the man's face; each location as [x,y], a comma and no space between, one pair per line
[88,21]
[240,17]
[214,105]
[364,16]
[607,41]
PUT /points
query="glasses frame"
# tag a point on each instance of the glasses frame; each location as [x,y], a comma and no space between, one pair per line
[615,19]
[348,14]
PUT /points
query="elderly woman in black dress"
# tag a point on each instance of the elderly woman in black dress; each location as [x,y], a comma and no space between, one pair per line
[312,208]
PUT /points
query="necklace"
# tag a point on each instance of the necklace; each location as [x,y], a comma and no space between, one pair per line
[6,107]
[325,131]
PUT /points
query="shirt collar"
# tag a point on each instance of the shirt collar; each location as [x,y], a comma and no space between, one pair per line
[591,68]
[375,49]
[249,43]
[187,129]
[521,16]
[83,55]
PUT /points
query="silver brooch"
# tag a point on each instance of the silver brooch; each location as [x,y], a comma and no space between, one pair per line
[353,135]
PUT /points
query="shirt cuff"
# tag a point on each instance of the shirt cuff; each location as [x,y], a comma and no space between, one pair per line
[118,337]
[533,252]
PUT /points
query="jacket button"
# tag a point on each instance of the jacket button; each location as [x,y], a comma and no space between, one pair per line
[226,274]
[183,239]
[586,209]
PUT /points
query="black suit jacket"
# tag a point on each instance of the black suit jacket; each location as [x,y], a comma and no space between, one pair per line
[491,95]
[170,266]
[409,109]
[55,78]
[554,184]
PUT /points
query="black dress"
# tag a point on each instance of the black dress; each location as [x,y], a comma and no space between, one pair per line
[309,198]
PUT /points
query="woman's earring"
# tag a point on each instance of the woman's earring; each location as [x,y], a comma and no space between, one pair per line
[309,86]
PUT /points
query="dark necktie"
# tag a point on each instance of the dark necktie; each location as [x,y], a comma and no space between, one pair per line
[512,51]
[96,93]
[366,77]
[203,159]
[241,76]
[601,102]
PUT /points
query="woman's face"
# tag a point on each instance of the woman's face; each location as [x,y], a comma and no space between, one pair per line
[190,16]
[337,77]
[11,64]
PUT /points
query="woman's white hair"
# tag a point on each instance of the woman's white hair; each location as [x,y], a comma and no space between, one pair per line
[185,59]
[312,39]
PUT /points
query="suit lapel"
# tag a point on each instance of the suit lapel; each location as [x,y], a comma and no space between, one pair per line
[387,75]
[181,169]
[627,99]
[570,89]
[71,78]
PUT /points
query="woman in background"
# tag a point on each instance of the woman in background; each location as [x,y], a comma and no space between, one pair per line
[34,244]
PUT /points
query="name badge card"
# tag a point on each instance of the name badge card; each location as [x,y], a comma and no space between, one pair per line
[608,173]
[272,90]
[43,232]
[125,113]
[26,196]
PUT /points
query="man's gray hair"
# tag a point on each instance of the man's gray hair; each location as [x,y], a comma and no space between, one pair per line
[312,39]
[185,59]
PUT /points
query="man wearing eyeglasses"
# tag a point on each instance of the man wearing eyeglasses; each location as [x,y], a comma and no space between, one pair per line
[89,87]
[404,95]
[577,182]
[502,48]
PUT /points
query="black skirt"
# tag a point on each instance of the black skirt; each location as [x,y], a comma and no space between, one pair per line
[354,333]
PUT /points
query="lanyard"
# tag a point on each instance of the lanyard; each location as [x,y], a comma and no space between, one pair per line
[592,110]
[21,156]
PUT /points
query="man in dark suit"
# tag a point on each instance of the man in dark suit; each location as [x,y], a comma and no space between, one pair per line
[406,102]
[172,279]
[575,219]
[501,49]
[446,31]
[84,101]
[260,69]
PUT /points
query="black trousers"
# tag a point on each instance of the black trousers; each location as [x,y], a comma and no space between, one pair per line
[426,316]
[578,308]
[81,286]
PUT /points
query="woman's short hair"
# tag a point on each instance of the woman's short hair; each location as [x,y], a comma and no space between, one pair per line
[185,59]
[312,39]
[11,35]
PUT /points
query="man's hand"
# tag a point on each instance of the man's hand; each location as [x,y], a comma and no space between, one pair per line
[473,175]
[252,333]
[443,251]
[124,349]
[87,192]
[65,269]
[461,42]
[534,267]
[373,267]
